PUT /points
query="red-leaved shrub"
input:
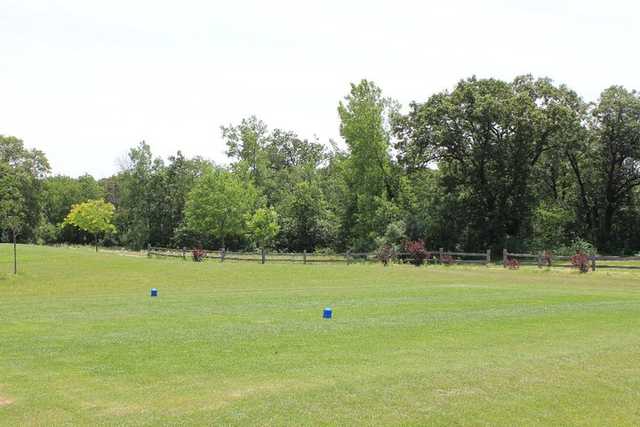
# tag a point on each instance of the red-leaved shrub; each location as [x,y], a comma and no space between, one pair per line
[513,264]
[417,251]
[580,261]
[198,255]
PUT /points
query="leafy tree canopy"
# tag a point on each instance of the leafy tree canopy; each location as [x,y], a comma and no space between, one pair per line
[93,216]
[263,226]
[218,203]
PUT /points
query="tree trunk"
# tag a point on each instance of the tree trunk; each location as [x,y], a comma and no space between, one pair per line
[15,259]
[95,238]
[606,226]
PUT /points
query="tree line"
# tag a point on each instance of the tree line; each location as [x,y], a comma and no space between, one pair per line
[526,165]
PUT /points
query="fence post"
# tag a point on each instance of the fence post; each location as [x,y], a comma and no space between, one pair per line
[504,257]
[222,252]
[184,253]
[441,255]
[348,256]
[539,260]
[304,256]
[488,256]
[149,249]
[263,255]
[593,263]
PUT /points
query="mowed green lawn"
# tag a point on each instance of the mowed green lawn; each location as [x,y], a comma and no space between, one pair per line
[81,342]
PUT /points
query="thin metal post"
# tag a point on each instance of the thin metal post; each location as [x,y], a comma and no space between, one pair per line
[15,258]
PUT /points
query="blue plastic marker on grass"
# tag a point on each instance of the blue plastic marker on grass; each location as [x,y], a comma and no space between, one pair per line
[154,292]
[327,313]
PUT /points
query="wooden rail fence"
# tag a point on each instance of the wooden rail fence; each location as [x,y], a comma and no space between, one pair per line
[434,257]
[541,261]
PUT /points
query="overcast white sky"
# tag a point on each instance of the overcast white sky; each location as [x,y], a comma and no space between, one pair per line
[86,80]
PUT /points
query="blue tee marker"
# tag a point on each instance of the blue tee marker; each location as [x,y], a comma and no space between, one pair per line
[154,292]
[327,313]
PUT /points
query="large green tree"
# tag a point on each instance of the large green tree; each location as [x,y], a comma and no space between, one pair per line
[364,125]
[217,205]
[137,192]
[486,137]
[606,166]
[12,206]
[277,162]
[27,168]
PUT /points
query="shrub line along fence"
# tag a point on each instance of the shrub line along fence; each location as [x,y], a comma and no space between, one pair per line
[541,261]
[435,257]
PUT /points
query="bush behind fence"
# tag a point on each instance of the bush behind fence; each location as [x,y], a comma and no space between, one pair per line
[439,257]
[433,257]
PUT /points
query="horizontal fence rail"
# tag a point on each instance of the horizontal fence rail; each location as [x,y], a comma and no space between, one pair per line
[542,261]
[431,257]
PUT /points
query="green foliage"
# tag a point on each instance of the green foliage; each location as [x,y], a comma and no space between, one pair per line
[582,246]
[364,120]
[605,163]
[93,216]
[150,196]
[487,137]
[21,174]
[47,233]
[551,224]
[12,203]
[137,196]
[523,164]
[218,203]
[246,144]
[307,222]
[394,236]
[263,226]
[58,195]
[173,182]
[391,242]
[578,245]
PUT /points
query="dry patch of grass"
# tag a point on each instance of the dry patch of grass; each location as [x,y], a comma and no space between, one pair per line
[5,401]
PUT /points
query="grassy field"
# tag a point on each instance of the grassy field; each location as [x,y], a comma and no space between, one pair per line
[81,342]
